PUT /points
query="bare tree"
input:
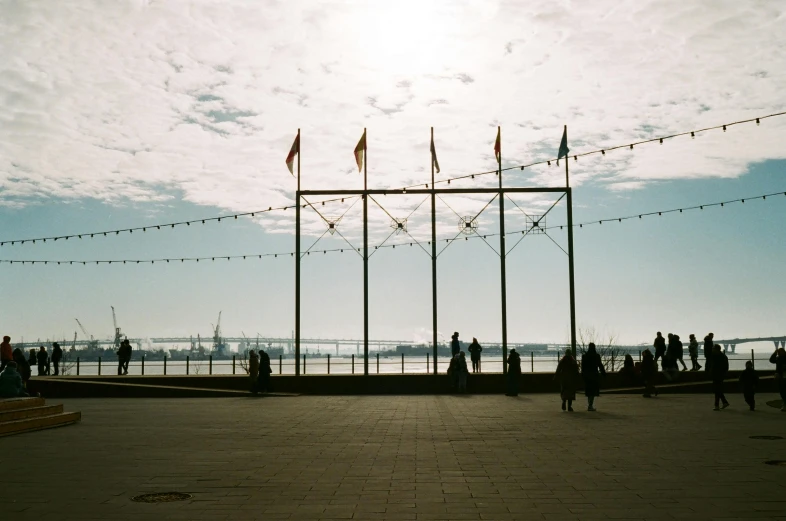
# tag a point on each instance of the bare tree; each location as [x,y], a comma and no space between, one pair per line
[605,344]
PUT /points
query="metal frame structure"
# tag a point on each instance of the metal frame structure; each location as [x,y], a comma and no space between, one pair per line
[366,193]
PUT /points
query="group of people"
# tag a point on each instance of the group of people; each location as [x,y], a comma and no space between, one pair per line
[15,369]
[458,369]
[259,371]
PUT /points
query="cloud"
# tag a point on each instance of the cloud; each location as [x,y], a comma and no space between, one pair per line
[139,100]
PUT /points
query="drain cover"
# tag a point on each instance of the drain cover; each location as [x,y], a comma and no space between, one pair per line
[776,462]
[766,437]
[161,497]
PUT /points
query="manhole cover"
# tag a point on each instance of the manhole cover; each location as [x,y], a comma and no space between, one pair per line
[776,462]
[766,437]
[161,497]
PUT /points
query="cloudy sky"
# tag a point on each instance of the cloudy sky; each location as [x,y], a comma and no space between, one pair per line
[131,113]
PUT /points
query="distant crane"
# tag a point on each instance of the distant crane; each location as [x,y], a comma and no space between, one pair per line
[73,344]
[118,335]
[218,346]
[92,344]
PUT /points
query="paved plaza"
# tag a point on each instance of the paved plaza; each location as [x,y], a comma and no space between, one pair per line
[401,458]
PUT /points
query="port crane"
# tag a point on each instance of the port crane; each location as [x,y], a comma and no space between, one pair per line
[93,343]
[118,335]
[218,346]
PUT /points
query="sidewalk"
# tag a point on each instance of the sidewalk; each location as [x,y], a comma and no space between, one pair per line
[401,458]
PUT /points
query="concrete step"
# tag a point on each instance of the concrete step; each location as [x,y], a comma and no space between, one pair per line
[39,423]
[31,412]
[8,404]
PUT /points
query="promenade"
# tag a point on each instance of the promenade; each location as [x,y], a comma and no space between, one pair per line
[452,457]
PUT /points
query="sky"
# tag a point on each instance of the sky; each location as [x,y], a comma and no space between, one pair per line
[136,113]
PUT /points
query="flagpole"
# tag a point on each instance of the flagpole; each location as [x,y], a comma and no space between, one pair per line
[570,254]
[503,276]
[297,263]
[365,254]
[433,258]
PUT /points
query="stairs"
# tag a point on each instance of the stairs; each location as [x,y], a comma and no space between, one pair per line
[32,414]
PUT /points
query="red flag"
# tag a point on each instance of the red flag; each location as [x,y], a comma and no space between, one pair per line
[292,151]
[497,147]
[360,150]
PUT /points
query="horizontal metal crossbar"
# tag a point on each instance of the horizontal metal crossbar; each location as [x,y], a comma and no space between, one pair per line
[399,191]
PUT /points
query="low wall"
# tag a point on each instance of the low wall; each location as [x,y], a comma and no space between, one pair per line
[67,386]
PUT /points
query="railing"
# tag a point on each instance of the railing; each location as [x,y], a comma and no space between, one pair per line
[310,365]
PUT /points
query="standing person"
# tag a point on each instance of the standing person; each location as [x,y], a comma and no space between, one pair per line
[22,366]
[649,371]
[463,372]
[720,367]
[779,359]
[659,345]
[474,354]
[455,345]
[127,355]
[453,373]
[708,352]
[591,369]
[693,351]
[11,385]
[749,380]
[679,351]
[263,381]
[628,371]
[253,369]
[33,360]
[568,374]
[41,358]
[57,355]
[6,352]
[514,370]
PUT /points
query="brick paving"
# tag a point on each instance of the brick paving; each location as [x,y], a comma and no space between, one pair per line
[400,458]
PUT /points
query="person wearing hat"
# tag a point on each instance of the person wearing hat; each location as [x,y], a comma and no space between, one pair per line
[455,346]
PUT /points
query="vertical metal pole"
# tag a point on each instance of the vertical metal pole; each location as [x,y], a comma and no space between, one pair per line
[570,256]
[353,363]
[402,363]
[433,262]
[503,277]
[143,365]
[328,363]
[188,363]
[99,366]
[428,356]
[164,365]
[233,364]
[297,263]
[753,360]
[210,364]
[280,357]
[377,363]
[77,366]
[365,256]
[304,364]
[531,362]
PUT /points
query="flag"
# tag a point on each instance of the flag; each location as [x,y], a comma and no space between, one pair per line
[292,151]
[434,155]
[498,147]
[360,150]
[563,146]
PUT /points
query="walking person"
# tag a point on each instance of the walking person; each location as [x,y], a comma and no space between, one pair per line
[57,355]
[474,354]
[6,352]
[693,351]
[263,381]
[568,374]
[126,347]
[708,351]
[591,369]
[42,357]
[659,345]
[514,371]
[463,372]
[720,367]
[649,371]
[679,352]
[749,380]
[455,345]
[253,369]
[779,359]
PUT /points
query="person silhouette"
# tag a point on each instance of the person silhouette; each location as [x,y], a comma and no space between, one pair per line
[514,370]
[591,369]
[455,345]
[568,375]
[474,354]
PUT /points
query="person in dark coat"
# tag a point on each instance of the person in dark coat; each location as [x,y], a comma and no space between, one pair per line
[749,380]
[779,359]
[474,354]
[720,367]
[591,370]
[253,370]
[42,358]
[628,371]
[514,371]
[649,371]
[6,352]
[453,372]
[263,382]
[11,385]
[708,350]
[568,375]
[679,352]
[463,372]
[33,360]
[57,355]
[455,345]
[659,345]
[22,366]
